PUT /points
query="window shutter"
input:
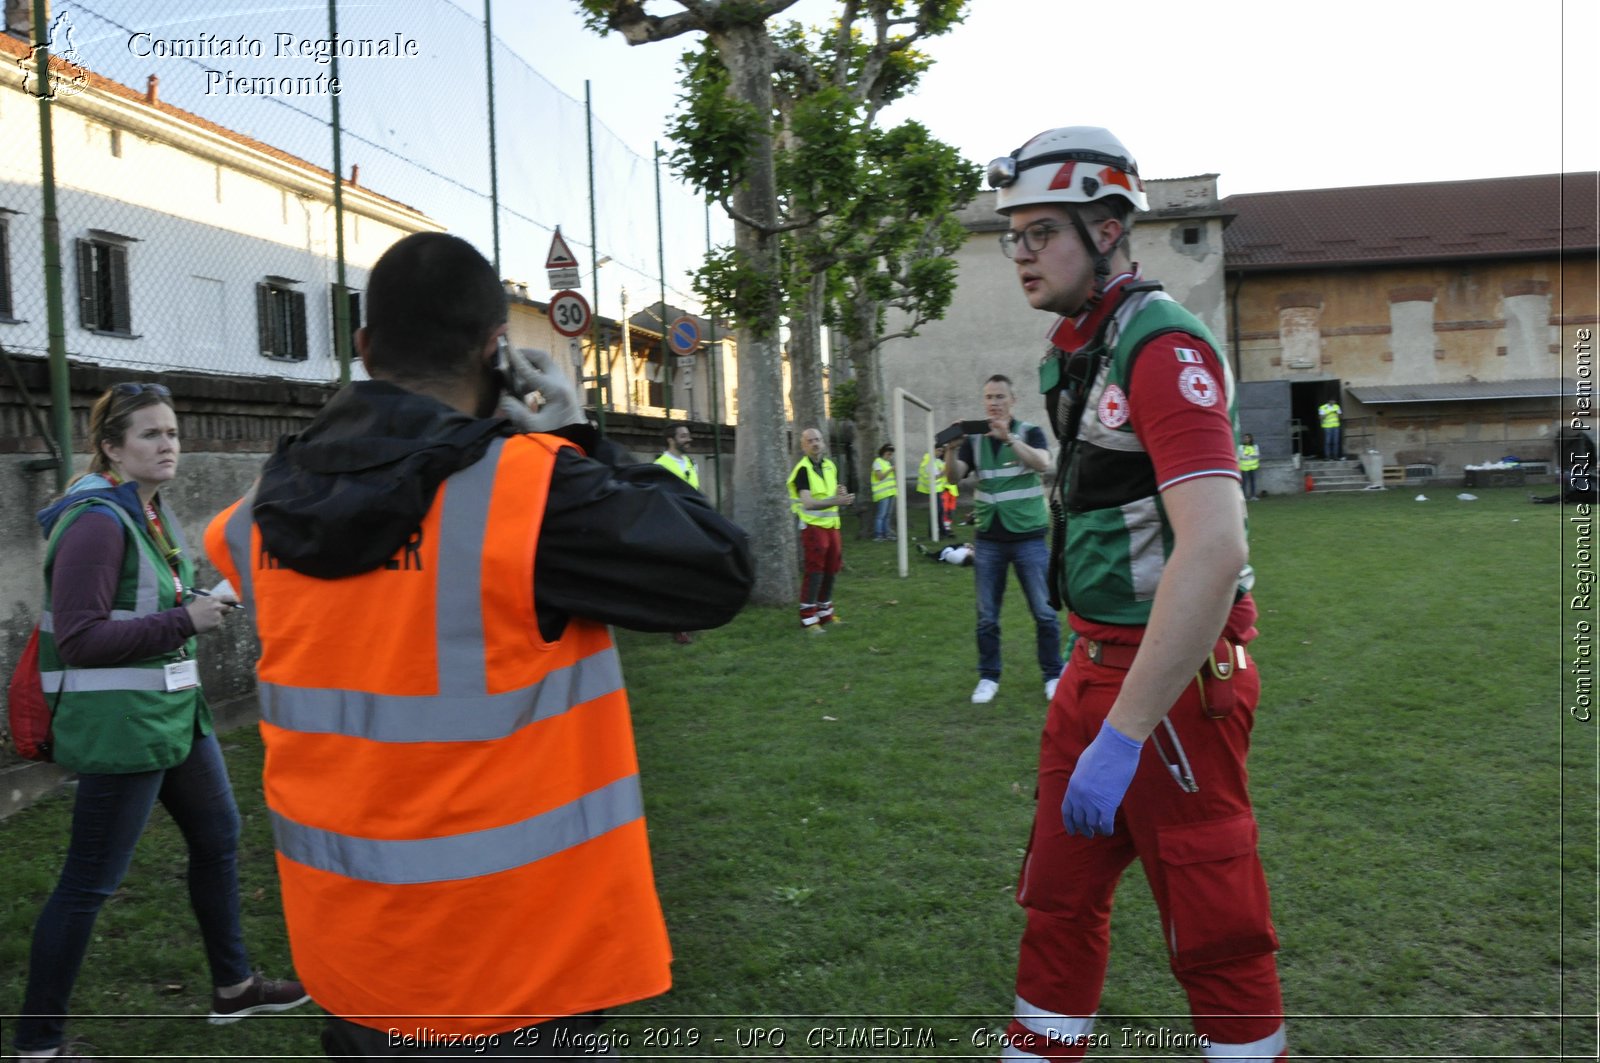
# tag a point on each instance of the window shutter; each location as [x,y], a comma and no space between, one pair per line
[88,306]
[264,319]
[5,270]
[121,308]
[297,325]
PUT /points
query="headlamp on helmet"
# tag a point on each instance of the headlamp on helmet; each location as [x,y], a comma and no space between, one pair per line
[1073,164]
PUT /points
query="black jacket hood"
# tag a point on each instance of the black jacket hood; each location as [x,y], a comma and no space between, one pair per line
[343,496]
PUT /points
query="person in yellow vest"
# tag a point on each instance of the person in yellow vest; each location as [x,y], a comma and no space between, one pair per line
[431,567]
[1249,462]
[814,491]
[933,482]
[883,493]
[1329,412]
[675,459]
[1010,461]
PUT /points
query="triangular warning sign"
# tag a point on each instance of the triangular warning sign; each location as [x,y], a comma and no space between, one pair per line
[561,256]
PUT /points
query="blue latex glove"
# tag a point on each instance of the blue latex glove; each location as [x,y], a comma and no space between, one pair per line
[1098,782]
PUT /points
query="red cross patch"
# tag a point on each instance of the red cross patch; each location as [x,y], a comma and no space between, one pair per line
[1113,407]
[1198,386]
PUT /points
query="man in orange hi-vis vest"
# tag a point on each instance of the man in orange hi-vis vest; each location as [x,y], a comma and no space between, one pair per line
[450,767]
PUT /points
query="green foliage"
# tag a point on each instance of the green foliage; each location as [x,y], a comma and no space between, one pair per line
[842,400]
[714,131]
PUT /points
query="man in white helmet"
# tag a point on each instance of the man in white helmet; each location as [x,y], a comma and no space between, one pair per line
[1143,753]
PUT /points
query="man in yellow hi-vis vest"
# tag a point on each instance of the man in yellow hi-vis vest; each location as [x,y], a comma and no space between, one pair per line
[675,459]
[1329,412]
[814,489]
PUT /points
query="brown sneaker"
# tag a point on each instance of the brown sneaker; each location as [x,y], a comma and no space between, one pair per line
[262,995]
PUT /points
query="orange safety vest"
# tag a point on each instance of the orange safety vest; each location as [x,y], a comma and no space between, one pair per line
[455,802]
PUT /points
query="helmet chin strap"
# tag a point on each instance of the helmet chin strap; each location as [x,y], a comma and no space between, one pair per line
[1102,263]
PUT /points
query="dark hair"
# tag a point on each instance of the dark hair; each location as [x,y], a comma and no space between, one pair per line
[1001,378]
[432,303]
[112,415]
[671,431]
[886,446]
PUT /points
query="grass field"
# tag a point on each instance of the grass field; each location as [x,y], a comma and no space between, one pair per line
[837,830]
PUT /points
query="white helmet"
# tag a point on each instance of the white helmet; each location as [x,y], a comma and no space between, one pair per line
[1073,164]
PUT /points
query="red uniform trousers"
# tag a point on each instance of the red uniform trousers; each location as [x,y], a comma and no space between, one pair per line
[1199,855]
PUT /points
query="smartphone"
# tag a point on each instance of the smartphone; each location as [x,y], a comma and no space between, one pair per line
[502,365]
[956,431]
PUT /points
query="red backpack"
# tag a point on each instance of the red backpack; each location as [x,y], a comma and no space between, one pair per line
[26,707]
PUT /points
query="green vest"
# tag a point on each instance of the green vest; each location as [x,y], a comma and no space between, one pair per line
[122,719]
[883,484]
[1117,537]
[1006,486]
[685,472]
[824,486]
[1249,457]
[1330,414]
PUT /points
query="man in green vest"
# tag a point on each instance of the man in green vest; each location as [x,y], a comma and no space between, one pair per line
[1329,412]
[676,458]
[816,495]
[1012,520]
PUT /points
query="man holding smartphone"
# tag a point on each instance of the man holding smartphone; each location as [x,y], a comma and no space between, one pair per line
[1010,458]
[432,567]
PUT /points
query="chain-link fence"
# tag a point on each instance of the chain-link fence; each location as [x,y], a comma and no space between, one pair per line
[193,177]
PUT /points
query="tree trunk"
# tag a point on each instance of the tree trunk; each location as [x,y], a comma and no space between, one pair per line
[806,394]
[761,465]
[871,423]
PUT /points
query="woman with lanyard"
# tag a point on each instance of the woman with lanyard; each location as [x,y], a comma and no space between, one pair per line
[116,656]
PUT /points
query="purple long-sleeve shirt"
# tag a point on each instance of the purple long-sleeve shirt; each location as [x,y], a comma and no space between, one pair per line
[88,566]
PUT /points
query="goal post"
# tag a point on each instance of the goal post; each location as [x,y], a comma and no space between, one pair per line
[902,483]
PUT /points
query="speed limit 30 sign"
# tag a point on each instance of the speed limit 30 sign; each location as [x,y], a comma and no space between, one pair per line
[569,313]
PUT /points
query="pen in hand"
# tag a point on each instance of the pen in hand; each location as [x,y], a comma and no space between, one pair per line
[207,594]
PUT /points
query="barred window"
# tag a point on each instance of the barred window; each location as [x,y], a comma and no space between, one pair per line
[103,304]
[281,319]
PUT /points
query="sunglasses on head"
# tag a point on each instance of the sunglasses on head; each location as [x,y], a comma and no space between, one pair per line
[129,388]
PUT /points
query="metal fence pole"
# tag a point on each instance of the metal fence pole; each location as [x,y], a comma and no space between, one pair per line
[603,392]
[60,379]
[341,298]
[494,164]
[667,368]
[713,355]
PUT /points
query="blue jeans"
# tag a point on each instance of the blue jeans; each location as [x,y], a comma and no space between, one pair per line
[1031,558]
[1330,444]
[883,518]
[108,817]
[1249,478]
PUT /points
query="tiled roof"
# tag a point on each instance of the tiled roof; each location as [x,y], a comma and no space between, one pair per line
[1430,222]
[20,49]
[1463,391]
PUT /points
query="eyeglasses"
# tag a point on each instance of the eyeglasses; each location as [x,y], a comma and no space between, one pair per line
[1034,238]
[130,388]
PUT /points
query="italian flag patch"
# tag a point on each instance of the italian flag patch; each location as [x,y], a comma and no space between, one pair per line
[1187,355]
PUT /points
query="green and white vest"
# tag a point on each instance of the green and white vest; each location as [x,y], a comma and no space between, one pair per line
[1006,486]
[1117,538]
[122,719]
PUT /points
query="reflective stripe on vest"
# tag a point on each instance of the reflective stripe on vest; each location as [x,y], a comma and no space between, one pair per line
[455,802]
[459,856]
[473,717]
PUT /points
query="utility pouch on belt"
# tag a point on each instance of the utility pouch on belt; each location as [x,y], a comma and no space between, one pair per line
[1218,694]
